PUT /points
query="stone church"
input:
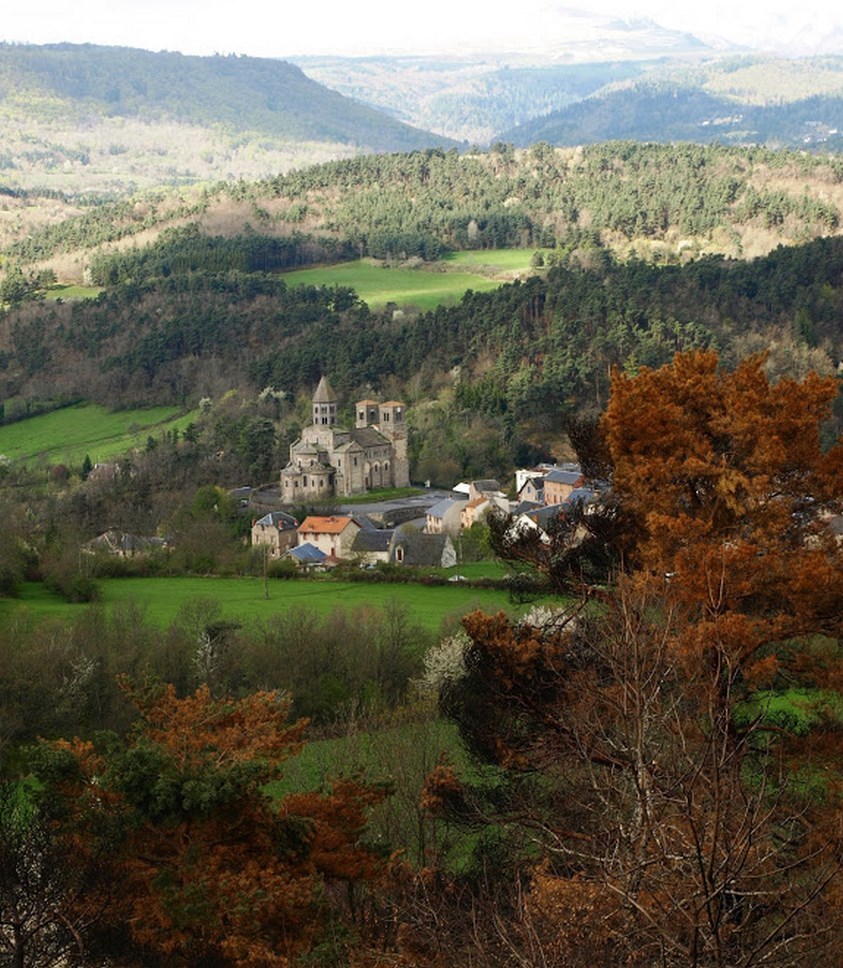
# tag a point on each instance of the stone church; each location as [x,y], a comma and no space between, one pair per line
[328,461]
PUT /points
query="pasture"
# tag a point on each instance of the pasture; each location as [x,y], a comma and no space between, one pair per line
[425,287]
[242,599]
[67,435]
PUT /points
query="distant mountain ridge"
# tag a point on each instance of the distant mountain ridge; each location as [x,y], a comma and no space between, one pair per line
[125,118]
[247,93]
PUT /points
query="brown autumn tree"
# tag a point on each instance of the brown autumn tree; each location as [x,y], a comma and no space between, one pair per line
[681,812]
[211,870]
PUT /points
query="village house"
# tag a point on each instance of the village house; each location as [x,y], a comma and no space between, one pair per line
[328,461]
[531,490]
[333,535]
[561,482]
[372,545]
[307,557]
[445,517]
[276,531]
[423,550]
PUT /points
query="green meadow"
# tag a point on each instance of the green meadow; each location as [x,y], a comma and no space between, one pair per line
[243,599]
[425,287]
[67,435]
[71,293]
[498,260]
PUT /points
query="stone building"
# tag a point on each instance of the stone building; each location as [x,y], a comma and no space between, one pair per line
[329,461]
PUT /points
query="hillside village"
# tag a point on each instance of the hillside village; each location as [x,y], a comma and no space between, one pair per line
[329,462]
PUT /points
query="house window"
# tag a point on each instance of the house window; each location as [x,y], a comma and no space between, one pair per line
[386,417]
[304,482]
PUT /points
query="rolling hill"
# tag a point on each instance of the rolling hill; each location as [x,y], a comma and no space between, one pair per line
[82,119]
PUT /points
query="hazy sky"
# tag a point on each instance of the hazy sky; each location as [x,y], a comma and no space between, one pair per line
[275,28]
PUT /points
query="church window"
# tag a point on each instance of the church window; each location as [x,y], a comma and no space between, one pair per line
[399,555]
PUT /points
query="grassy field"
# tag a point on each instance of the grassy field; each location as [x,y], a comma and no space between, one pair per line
[500,260]
[377,285]
[243,598]
[67,435]
[72,293]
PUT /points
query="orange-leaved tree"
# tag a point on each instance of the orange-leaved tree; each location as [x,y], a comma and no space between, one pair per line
[211,870]
[674,753]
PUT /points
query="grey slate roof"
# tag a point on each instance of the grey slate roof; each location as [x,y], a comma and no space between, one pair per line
[441,508]
[560,476]
[372,541]
[581,495]
[369,437]
[278,519]
[487,485]
[324,392]
[422,549]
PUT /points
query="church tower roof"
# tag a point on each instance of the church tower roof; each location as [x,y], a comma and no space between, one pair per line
[324,392]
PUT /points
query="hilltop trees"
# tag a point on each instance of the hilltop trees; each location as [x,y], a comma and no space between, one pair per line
[669,813]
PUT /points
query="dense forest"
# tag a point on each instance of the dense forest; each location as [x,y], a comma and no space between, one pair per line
[661,201]
[175,329]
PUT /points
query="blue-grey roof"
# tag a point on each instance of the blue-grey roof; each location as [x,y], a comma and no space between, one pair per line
[370,540]
[441,508]
[581,495]
[307,553]
[559,476]
[278,519]
[422,549]
[548,513]
[525,506]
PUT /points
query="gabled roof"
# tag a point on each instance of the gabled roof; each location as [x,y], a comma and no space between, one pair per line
[369,437]
[278,519]
[487,485]
[324,392]
[307,554]
[441,508]
[560,476]
[372,540]
[422,549]
[542,515]
[581,495]
[325,525]
[524,507]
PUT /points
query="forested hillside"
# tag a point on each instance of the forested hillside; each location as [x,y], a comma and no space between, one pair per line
[701,96]
[671,112]
[639,251]
[87,119]
[663,202]
[526,355]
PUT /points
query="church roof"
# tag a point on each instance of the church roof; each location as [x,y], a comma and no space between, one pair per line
[368,437]
[324,392]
